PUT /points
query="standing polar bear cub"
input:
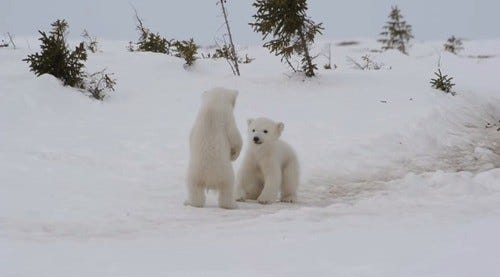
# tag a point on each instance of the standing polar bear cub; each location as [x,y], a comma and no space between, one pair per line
[214,142]
[270,165]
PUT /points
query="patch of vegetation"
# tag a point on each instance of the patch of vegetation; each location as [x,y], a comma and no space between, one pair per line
[187,50]
[443,82]
[99,84]
[453,45]
[224,52]
[366,63]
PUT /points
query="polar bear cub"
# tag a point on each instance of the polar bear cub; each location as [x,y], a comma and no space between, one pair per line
[270,165]
[214,142]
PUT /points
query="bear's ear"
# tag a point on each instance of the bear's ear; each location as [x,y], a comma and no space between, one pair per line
[249,121]
[280,127]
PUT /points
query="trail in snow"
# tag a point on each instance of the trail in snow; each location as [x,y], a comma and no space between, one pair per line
[384,157]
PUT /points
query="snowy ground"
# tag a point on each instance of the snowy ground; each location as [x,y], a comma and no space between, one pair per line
[398,179]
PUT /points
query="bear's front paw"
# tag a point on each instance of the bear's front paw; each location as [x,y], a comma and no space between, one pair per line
[264,201]
[288,199]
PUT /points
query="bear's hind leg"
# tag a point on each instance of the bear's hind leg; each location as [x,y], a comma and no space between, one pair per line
[196,195]
[226,196]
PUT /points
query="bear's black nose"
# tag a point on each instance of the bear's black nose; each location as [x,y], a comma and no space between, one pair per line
[256,139]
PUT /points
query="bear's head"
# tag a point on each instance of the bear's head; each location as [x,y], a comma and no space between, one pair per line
[263,131]
[220,96]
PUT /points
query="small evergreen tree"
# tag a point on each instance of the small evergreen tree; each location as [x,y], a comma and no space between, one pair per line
[397,33]
[442,82]
[453,45]
[187,50]
[56,59]
[292,30]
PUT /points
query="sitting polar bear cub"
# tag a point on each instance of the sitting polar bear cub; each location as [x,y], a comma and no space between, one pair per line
[269,165]
[214,142]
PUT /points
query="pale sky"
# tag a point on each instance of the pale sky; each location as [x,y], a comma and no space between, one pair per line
[200,19]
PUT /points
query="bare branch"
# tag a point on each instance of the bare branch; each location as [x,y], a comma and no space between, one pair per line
[234,57]
[353,61]
[140,25]
[11,40]
[290,64]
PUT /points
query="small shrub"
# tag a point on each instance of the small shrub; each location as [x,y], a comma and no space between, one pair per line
[56,59]
[442,82]
[148,41]
[131,46]
[8,41]
[366,63]
[187,50]
[246,60]
[153,43]
[222,52]
[90,42]
[225,52]
[99,84]
[453,45]
[327,54]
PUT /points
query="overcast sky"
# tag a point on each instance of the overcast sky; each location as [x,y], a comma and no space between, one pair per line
[200,19]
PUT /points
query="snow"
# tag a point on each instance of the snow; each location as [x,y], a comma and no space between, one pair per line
[397,178]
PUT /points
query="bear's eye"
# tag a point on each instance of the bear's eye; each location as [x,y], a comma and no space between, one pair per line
[253,130]
[265,131]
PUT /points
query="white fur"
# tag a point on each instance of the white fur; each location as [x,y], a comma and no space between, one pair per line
[214,142]
[270,165]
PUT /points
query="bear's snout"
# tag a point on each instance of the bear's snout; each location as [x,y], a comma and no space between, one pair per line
[256,140]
